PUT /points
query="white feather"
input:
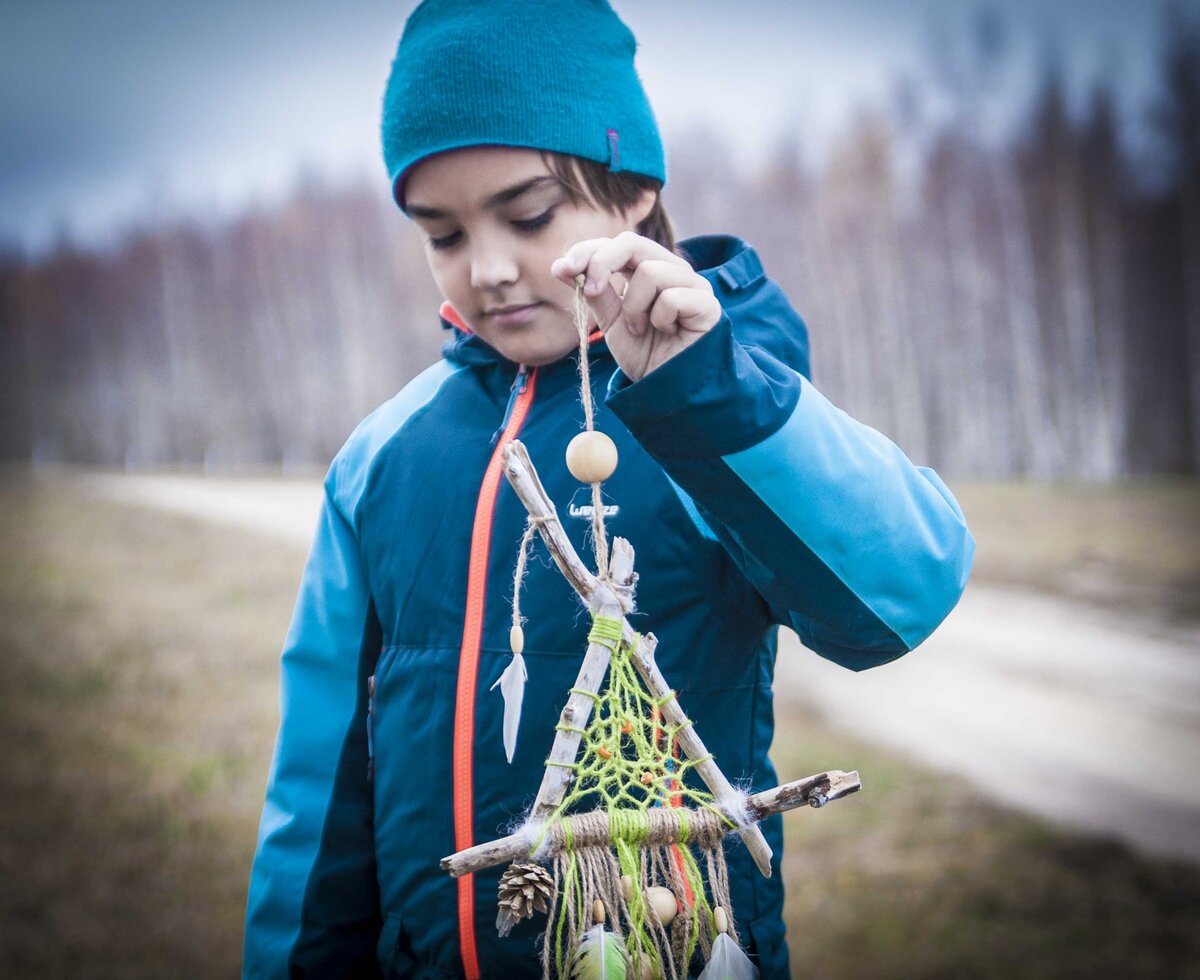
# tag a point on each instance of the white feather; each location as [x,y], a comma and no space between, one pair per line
[728,962]
[512,686]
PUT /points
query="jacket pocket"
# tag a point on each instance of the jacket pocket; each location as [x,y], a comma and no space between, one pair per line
[392,952]
[768,946]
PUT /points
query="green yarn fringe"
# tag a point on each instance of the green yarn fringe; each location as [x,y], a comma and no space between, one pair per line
[630,764]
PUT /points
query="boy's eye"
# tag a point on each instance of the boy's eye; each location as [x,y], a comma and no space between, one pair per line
[533,224]
[445,241]
[521,224]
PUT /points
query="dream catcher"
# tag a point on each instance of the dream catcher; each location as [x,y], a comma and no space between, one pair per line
[621,851]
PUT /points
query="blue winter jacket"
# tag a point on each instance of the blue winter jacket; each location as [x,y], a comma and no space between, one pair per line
[751,502]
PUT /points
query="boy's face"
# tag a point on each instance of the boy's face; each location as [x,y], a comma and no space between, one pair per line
[494,219]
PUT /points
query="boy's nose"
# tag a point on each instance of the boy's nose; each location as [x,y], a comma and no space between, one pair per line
[492,268]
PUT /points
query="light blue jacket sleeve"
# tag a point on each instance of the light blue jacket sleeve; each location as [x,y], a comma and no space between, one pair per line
[315,846]
[860,551]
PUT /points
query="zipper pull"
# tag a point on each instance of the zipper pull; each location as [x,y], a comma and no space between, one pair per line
[518,386]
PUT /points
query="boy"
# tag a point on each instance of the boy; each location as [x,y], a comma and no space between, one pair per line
[518,137]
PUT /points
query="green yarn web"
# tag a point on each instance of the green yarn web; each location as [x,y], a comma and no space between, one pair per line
[628,765]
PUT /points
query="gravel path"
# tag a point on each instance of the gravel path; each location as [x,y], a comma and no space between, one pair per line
[1065,710]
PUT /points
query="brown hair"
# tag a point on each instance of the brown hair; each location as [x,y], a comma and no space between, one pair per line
[587,180]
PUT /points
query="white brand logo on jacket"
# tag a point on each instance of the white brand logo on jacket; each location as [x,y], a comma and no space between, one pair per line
[585,510]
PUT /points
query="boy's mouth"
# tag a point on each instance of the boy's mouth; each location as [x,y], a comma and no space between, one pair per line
[512,315]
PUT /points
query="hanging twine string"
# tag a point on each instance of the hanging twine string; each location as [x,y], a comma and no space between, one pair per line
[512,681]
[581,324]
[599,534]
[522,560]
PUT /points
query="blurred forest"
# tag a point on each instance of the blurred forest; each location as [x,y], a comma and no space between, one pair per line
[1001,300]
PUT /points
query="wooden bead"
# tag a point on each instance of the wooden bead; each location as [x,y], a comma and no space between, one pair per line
[598,912]
[647,778]
[592,457]
[662,900]
[516,639]
[627,887]
[720,920]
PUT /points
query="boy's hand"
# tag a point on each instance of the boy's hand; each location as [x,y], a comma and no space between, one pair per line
[648,301]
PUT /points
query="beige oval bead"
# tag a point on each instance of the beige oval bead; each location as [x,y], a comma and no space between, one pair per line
[720,920]
[647,969]
[627,887]
[591,457]
[662,900]
[516,639]
[598,912]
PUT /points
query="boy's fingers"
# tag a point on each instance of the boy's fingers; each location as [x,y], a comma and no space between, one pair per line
[675,307]
[607,305]
[575,260]
[625,252]
[600,257]
[650,279]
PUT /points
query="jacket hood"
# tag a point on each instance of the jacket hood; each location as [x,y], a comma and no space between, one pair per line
[759,312]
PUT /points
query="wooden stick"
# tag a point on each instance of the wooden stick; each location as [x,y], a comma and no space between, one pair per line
[560,772]
[522,475]
[814,791]
[520,472]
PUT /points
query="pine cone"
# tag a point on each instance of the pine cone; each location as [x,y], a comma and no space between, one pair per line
[524,889]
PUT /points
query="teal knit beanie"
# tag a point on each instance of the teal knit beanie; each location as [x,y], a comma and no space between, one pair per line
[545,74]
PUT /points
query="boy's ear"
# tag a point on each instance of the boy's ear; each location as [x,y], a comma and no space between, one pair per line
[641,208]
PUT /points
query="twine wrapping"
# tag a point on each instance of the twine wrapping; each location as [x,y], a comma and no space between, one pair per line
[599,534]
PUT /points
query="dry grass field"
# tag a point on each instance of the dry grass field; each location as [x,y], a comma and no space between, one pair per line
[1132,545]
[138,694]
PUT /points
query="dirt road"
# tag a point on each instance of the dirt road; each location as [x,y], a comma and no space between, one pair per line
[1061,709]
[1066,710]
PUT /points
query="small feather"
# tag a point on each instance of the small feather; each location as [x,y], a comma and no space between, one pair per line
[512,686]
[505,920]
[601,956]
[728,962]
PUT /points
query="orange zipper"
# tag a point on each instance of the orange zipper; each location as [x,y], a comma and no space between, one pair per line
[468,668]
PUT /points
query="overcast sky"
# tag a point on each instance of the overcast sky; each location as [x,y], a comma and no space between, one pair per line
[115,112]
